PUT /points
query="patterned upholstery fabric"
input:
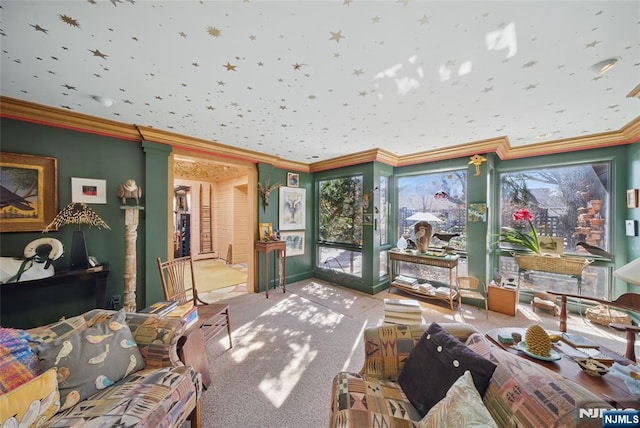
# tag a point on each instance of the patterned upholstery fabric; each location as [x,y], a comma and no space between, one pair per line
[156,398]
[373,398]
[523,393]
[365,401]
[389,346]
[92,359]
[162,395]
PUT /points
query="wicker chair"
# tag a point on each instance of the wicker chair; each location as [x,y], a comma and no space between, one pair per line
[179,283]
[471,288]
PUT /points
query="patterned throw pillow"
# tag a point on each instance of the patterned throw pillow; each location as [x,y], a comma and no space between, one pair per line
[92,359]
[436,362]
[18,364]
[461,407]
[32,403]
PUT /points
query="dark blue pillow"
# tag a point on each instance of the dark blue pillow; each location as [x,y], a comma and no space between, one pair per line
[436,362]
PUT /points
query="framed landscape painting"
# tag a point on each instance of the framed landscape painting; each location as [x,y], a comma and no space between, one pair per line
[29,192]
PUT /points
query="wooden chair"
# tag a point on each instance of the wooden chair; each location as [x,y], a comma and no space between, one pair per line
[626,301]
[179,283]
[469,287]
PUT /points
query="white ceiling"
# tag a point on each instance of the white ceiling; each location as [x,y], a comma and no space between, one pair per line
[314,80]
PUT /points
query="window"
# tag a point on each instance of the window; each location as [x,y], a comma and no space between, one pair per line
[571,202]
[340,210]
[340,225]
[442,195]
[384,210]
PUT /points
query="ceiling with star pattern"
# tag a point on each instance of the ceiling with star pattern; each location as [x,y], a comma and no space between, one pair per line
[314,80]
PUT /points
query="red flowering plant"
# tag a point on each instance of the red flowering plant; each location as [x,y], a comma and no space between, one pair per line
[515,237]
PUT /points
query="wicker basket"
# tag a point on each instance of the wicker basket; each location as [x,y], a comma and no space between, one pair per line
[553,264]
[604,315]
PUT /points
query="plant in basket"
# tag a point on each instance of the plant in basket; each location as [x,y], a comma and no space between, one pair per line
[519,238]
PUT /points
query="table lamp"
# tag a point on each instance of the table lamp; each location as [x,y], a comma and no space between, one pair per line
[77,213]
[629,273]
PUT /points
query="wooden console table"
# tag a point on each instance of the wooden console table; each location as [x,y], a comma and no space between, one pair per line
[448,262]
[28,304]
[281,254]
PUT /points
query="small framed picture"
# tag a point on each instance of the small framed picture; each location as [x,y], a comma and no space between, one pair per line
[266,229]
[293,179]
[294,242]
[551,245]
[88,190]
[632,198]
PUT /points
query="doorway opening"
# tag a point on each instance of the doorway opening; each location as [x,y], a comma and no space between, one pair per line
[212,222]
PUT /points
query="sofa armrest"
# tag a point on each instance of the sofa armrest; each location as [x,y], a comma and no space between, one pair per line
[388,347]
[157,338]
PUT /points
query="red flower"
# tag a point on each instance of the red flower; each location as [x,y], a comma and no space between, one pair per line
[522,214]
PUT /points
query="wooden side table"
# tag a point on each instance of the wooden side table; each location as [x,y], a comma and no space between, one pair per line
[503,300]
[281,254]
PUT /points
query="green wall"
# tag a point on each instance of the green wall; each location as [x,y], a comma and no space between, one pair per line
[93,156]
[298,267]
[99,157]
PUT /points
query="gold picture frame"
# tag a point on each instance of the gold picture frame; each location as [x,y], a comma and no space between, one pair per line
[632,198]
[266,230]
[30,192]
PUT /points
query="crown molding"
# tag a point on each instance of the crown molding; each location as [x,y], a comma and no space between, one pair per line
[52,116]
[12,108]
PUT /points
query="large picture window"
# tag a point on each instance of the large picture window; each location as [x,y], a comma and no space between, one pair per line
[439,197]
[570,202]
[340,225]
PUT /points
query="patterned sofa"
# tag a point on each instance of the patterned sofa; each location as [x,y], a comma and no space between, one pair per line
[99,369]
[520,393]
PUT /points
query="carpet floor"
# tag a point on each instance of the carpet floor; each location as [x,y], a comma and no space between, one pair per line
[287,349]
[216,274]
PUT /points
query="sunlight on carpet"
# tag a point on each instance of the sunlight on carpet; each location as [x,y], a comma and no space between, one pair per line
[215,274]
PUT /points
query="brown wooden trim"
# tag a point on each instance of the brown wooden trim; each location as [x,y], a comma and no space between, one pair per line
[36,113]
[52,116]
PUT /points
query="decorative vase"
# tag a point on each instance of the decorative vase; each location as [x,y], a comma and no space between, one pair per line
[422,230]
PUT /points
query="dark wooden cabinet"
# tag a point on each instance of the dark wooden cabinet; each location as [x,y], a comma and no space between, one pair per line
[29,304]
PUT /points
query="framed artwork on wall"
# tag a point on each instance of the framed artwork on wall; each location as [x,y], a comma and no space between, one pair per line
[88,190]
[293,179]
[29,192]
[294,242]
[292,208]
